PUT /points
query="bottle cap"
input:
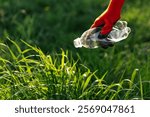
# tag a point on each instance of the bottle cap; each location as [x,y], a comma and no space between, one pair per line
[77,43]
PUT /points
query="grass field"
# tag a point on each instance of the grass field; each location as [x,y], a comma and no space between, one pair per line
[38,59]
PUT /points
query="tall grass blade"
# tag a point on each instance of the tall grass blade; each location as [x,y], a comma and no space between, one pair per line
[88,80]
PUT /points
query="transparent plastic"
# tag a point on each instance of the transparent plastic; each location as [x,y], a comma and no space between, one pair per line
[89,39]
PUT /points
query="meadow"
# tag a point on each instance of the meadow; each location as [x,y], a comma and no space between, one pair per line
[39,61]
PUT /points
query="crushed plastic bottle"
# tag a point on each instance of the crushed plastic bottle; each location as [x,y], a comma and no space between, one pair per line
[90,38]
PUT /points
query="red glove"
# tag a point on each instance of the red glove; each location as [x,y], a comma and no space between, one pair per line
[109,17]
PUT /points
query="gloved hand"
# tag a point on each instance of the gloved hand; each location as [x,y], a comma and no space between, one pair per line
[109,17]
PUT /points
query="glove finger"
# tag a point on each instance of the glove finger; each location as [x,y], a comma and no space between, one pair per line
[106,28]
[106,46]
[98,22]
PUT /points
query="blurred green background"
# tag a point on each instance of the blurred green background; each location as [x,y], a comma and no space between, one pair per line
[54,24]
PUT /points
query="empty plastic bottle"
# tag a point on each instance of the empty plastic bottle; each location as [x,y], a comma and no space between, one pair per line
[92,39]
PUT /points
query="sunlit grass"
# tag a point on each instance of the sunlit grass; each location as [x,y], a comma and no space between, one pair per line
[31,74]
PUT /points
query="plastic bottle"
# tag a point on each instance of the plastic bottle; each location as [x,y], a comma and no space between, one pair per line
[90,38]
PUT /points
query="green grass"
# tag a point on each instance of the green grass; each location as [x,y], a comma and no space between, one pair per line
[53,69]
[58,76]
